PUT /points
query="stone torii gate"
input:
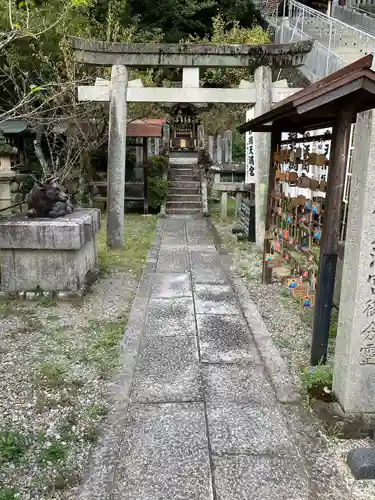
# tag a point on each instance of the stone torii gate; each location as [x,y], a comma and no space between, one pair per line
[261,58]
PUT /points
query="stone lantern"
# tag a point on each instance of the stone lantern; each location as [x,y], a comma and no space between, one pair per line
[6,175]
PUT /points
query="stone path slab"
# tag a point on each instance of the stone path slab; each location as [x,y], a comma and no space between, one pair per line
[200,419]
[224,338]
[167,371]
[164,454]
[259,477]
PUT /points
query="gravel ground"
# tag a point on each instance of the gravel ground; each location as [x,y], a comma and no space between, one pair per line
[57,360]
[291,331]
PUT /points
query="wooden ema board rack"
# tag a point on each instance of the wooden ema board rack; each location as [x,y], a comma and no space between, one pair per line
[296,215]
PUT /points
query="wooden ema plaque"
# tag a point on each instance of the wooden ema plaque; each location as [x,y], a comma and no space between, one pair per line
[295,210]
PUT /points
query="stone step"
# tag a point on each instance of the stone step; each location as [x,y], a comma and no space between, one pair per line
[183,167]
[183,211]
[186,183]
[184,204]
[183,173]
[184,197]
[183,180]
[185,190]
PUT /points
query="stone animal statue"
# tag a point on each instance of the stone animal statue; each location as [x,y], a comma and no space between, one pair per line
[47,199]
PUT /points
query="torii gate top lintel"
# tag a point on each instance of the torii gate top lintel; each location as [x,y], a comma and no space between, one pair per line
[190,55]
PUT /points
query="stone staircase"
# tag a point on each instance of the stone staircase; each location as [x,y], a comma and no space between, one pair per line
[184,196]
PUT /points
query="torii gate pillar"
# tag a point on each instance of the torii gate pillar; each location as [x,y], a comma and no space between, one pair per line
[262,148]
[116,157]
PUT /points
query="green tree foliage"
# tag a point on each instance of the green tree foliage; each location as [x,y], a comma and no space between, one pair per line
[157,185]
[38,75]
[229,32]
[181,18]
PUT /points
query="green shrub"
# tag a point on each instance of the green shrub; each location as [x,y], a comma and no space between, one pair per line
[13,446]
[8,494]
[157,192]
[54,452]
[317,381]
[238,147]
[157,165]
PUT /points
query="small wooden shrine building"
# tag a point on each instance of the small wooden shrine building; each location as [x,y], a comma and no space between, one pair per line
[183,121]
[333,102]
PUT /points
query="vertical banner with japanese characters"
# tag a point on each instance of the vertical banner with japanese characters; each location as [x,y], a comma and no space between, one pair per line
[250,153]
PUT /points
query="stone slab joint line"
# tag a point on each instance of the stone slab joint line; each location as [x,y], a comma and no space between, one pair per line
[273,362]
[209,448]
[101,472]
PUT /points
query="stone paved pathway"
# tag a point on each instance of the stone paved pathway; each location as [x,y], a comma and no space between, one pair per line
[203,421]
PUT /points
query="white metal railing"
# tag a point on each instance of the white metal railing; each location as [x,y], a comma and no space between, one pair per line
[355,16]
[332,33]
[362,3]
[363,11]
[319,62]
[336,43]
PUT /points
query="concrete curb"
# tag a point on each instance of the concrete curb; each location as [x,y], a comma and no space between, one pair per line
[101,469]
[281,379]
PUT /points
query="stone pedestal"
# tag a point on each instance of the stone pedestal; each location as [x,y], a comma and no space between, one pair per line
[49,255]
[354,365]
[5,194]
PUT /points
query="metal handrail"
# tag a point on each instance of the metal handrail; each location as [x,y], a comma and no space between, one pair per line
[333,34]
[307,36]
[328,19]
[363,11]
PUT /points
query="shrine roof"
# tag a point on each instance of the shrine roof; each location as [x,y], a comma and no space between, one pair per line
[190,55]
[149,127]
[316,106]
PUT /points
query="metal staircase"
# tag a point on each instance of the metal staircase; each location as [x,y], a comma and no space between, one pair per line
[336,43]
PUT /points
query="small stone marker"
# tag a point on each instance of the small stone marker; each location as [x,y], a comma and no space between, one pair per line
[219,152]
[224,205]
[200,136]
[166,136]
[211,146]
[228,137]
[361,462]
